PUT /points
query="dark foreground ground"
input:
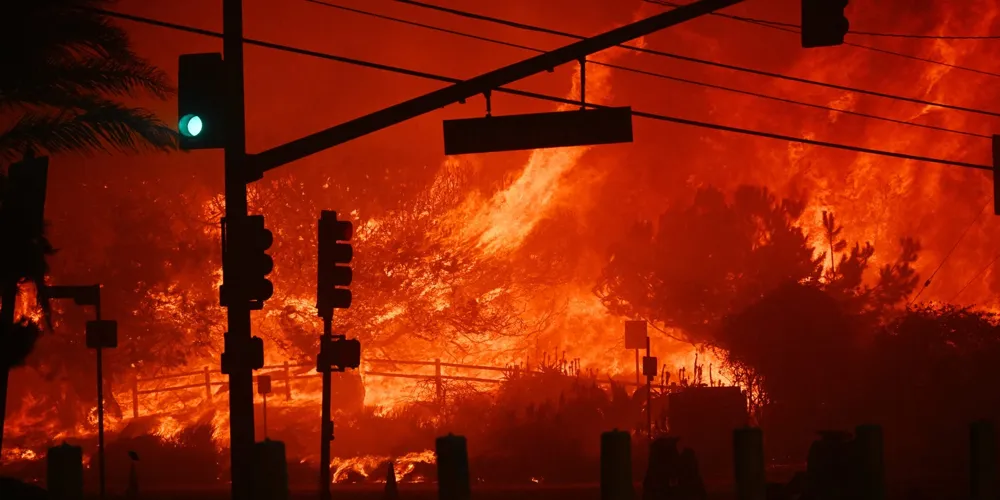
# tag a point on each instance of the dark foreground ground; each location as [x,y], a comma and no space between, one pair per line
[429,492]
[409,492]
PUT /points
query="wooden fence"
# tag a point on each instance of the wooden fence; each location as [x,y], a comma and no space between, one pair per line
[283,373]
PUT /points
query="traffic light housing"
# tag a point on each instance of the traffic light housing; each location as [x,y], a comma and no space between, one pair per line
[23,209]
[824,23]
[337,353]
[250,355]
[247,242]
[333,273]
[201,101]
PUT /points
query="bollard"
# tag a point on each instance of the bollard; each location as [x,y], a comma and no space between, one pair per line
[661,469]
[452,468]
[829,466]
[64,472]
[616,466]
[748,464]
[270,471]
[869,463]
[983,461]
[132,492]
[391,490]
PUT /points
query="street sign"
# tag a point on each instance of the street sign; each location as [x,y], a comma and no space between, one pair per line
[635,334]
[263,384]
[650,366]
[537,131]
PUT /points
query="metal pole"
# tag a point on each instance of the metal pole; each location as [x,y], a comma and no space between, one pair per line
[638,384]
[135,394]
[265,415]
[649,399]
[241,426]
[326,433]
[100,406]
[6,321]
[288,382]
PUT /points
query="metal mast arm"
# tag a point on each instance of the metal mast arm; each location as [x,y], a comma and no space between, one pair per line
[339,134]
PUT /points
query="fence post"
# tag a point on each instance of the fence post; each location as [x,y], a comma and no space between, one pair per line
[208,386]
[437,381]
[135,394]
[288,383]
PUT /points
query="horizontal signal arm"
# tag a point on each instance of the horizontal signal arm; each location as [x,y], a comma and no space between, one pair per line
[339,134]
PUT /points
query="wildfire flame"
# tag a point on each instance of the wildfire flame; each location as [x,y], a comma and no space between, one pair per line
[463,262]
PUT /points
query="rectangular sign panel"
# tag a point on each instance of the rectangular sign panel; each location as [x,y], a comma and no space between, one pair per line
[635,334]
[537,131]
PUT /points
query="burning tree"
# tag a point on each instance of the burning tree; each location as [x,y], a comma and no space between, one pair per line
[708,260]
[709,269]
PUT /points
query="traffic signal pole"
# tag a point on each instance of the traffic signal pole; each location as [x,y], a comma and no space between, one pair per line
[237,340]
[241,168]
[327,424]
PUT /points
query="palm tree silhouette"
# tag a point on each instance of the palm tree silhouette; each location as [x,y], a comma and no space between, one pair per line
[66,69]
[64,65]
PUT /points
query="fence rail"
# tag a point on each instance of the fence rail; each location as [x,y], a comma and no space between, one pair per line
[283,372]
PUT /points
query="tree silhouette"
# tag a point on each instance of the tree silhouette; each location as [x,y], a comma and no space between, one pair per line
[832,232]
[65,69]
[708,260]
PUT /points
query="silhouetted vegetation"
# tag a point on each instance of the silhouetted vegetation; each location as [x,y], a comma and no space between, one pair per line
[66,72]
[821,348]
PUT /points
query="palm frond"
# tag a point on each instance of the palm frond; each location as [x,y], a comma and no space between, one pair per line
[51,85]
[103,126]
[59,30]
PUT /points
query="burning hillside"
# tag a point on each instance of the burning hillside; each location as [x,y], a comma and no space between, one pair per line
[485,263]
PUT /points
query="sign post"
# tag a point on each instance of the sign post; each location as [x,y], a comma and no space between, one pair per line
[264,388]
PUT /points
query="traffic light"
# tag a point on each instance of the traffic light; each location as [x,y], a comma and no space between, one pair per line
[200,101]
[824,23]
[333,273]
[250,354]
[246,245]
[337,353]
[23,209]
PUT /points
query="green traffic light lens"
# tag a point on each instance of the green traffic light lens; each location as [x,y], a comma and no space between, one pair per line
[190,126]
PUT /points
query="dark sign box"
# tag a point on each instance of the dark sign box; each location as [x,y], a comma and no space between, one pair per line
[538,130]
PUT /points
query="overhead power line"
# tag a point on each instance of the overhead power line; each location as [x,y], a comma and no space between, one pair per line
[544,97]
[539,29]
[640,71]
[852,32]
[796,29]
[975,277]
[947,255]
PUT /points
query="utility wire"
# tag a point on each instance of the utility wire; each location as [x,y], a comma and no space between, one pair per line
[975,277]
[544,97]
[539,29]
[640,71]
[796,29]
[852,32]
[945,259]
